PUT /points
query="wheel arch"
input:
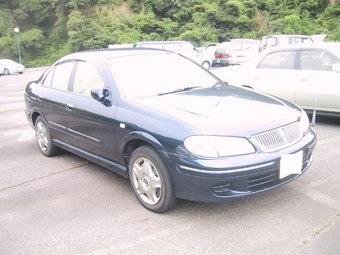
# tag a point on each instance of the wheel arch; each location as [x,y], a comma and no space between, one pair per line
[137,139]
[206,62]
[35,114]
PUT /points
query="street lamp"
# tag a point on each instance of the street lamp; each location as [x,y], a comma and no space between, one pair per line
[16,30]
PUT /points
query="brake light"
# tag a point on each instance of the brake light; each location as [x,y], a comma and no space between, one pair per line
[222,55]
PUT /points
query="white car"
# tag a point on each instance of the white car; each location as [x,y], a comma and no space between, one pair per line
[11,66]
[2,69]
[200,58]
[306,74]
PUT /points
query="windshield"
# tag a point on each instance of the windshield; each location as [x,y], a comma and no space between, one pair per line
[144,75]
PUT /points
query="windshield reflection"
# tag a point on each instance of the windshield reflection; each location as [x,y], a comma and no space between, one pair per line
[150,75]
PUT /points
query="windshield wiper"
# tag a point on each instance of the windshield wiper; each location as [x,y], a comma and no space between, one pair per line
[220,83]
[179,90]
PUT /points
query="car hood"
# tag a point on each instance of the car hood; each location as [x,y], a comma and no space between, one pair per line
[225,110]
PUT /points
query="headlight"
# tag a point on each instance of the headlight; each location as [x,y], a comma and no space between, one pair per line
[304,120]
[218,146]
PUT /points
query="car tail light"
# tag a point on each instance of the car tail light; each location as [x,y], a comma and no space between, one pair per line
[222,55]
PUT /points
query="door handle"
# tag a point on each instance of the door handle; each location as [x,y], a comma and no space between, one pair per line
[69,107]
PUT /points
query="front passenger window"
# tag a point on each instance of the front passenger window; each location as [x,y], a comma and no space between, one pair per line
[86,78]
[317,60]
[59,76]
[278,60]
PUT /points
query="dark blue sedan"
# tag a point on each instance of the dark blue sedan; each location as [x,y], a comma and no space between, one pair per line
[172,127]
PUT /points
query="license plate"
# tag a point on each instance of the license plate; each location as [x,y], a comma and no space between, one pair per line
[291,164]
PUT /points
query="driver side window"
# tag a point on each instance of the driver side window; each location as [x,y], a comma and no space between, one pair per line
[86,77]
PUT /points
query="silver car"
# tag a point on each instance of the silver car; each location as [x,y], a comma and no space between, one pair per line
[306,74]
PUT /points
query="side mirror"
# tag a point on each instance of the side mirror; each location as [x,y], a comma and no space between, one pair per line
[100,94]
[336,67]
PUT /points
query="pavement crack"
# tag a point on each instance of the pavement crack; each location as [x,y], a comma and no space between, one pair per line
[318,232]
[46,176]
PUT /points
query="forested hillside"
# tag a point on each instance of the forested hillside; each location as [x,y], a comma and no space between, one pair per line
[52,28]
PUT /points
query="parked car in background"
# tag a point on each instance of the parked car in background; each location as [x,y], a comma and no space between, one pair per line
[240,56]
[210,48]
[306,74]
[268,41]
[2,69]
[121,45]
[11,66]
[166,45]
[209,52]
[200,58]
[169,125]
[224,54]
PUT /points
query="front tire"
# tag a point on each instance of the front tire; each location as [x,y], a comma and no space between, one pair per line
[151,181]
[6,71]
[44,138]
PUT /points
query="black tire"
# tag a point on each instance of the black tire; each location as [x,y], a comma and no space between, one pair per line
[44,138]
[6,71]
[150,180]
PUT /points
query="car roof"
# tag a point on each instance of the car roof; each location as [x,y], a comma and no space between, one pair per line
[7,59]
[333,47]
[317,45]
[240,40]
[113,53]
[164,42]
[285,35]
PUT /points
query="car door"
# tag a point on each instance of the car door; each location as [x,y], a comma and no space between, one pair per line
[53,97]
[318,85]
[91,124]
[275,74]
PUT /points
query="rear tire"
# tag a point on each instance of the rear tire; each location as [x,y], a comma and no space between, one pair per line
[151,181]
[206,64]
[6,71]
[44,138]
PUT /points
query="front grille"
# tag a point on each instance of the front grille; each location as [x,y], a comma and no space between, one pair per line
[278,138]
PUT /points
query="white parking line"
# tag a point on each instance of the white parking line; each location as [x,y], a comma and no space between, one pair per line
[26,135]
[13,84]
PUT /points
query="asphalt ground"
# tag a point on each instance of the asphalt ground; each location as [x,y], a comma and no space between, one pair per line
[67,205]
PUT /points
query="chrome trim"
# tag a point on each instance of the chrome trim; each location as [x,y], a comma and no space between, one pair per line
[57,125]
[227,171]
[81,134]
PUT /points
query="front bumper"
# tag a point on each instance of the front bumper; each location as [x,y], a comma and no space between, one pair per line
[239,176]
